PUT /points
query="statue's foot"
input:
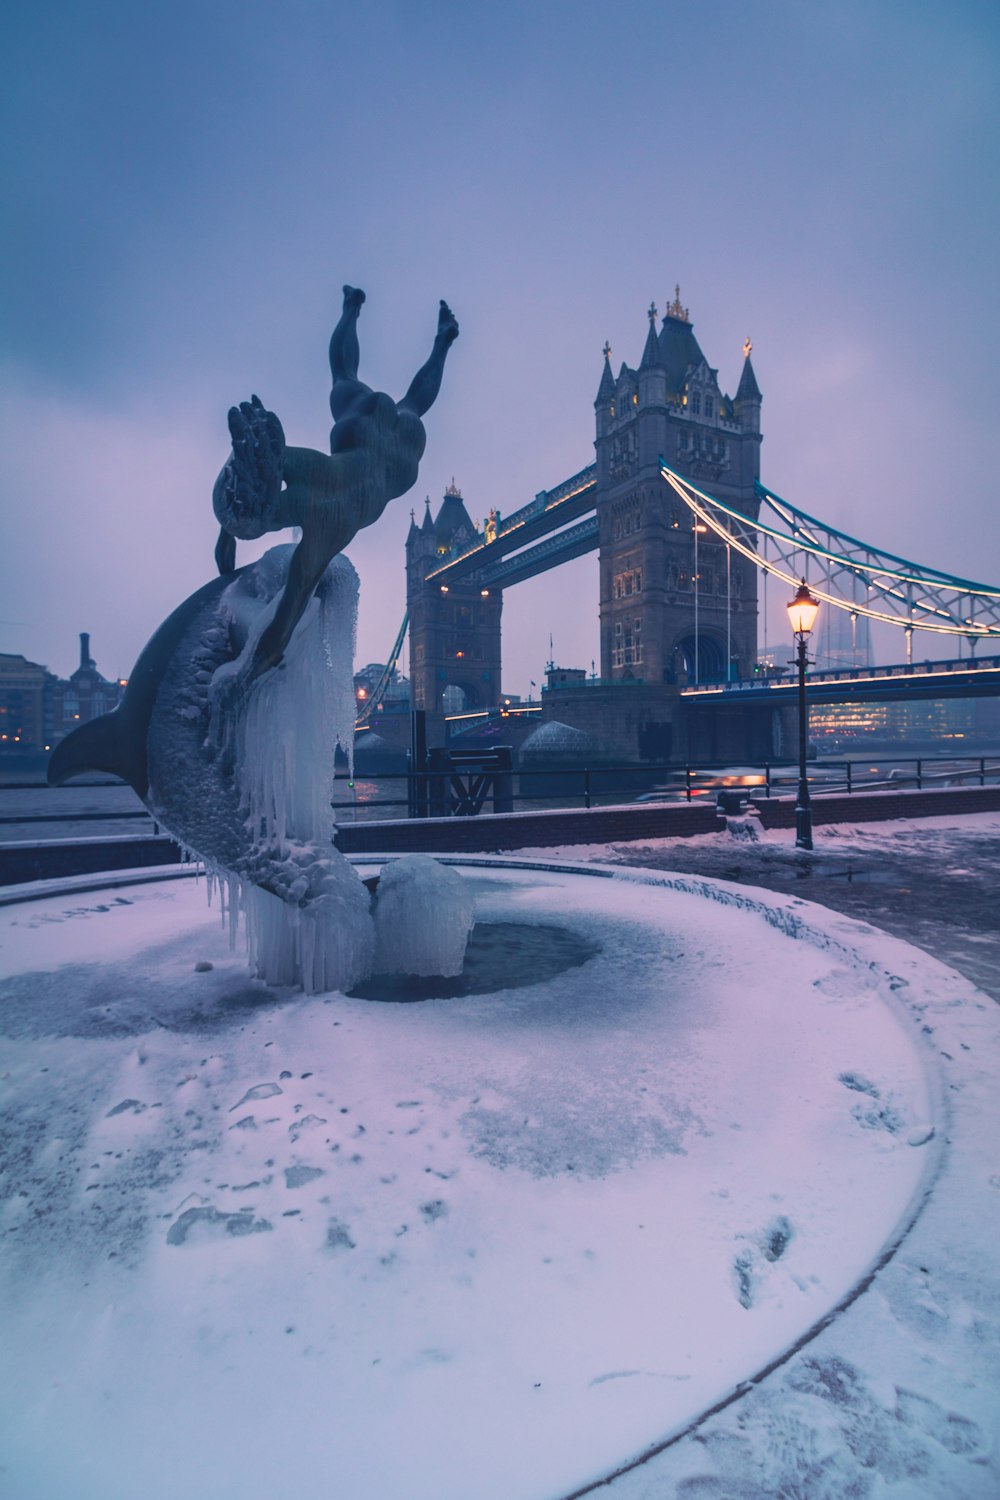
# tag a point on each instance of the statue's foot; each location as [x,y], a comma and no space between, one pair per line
[447,324]
[353,298]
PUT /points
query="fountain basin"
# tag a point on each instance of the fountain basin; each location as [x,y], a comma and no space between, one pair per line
[497,1243]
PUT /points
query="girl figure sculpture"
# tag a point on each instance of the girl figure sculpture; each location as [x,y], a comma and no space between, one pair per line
[375,449]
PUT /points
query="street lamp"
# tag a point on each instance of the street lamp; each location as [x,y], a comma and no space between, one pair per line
[802,612]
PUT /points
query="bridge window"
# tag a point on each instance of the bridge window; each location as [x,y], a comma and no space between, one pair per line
[709,406]
[696,404]
[627,583]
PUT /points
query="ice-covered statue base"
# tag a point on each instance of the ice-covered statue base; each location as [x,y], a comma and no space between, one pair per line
[241,772]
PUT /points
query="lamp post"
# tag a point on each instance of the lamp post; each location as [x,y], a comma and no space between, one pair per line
[802,612]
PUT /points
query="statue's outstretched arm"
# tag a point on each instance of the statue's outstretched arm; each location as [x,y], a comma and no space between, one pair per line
[427,381]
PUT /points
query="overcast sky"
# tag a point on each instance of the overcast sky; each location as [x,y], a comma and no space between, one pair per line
[189,185]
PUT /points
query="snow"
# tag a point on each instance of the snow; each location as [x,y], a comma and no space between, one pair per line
[498,1245]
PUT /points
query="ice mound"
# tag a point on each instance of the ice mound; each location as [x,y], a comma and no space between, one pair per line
[325,944]
[423,917]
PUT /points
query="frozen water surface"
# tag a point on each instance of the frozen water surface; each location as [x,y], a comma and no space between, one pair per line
[494,1245]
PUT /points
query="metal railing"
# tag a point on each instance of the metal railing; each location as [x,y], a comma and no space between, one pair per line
[596,786]
[600,786]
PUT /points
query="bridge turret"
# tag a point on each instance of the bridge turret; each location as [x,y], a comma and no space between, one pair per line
[604,403]
[676,605]
[748,398]
[454,623]
[652,370]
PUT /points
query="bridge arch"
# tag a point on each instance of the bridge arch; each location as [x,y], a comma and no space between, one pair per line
[698,658]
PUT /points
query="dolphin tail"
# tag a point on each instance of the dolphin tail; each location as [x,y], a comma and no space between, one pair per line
[102,744]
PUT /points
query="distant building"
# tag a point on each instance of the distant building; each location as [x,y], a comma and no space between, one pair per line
[85,696]
[843,640]
[395,695]
[959,724]
[37,709]
[25,704]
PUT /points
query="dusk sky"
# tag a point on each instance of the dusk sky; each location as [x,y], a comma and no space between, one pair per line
[188,186]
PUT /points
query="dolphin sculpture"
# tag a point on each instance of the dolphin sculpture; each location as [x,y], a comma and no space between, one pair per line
[245,783]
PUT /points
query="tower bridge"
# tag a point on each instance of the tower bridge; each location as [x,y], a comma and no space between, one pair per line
[688,536]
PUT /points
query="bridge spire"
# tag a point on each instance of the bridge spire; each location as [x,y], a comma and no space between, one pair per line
[748,389]
[652,354]
[606,389]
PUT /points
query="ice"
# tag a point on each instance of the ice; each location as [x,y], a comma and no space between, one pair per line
[242,773]
[295,715]
[423,917]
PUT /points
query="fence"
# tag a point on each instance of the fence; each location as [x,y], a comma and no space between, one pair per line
[465,790]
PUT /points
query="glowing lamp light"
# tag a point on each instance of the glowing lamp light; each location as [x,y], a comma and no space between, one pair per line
[444,588]
[484,593]
[802,610]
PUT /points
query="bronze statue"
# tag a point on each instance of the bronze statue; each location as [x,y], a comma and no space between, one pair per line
[375,448]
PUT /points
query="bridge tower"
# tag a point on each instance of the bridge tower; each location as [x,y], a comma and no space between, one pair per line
[454,627]
[665,616]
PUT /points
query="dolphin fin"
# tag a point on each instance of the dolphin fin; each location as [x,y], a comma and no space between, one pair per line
[102,744]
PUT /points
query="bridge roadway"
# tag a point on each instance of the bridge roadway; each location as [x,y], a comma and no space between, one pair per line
[966,678]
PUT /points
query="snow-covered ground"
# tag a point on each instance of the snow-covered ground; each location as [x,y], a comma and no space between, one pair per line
[503,1244]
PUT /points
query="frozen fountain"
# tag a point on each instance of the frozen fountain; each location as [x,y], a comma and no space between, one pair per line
[231,715]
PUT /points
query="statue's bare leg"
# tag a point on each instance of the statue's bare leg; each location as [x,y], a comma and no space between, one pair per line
[427,381]
[345,353]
